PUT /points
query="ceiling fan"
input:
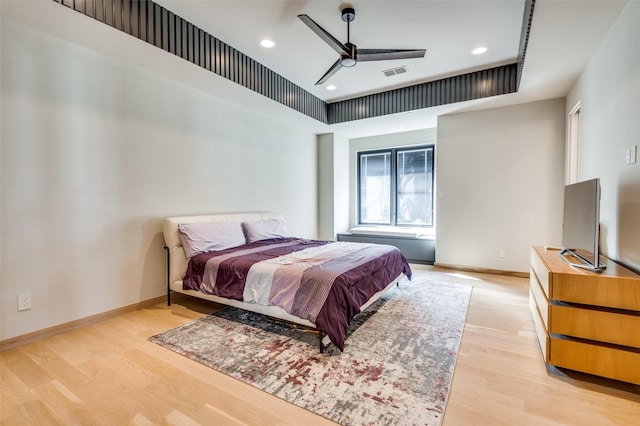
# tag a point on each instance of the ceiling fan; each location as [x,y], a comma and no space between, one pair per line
[350,55]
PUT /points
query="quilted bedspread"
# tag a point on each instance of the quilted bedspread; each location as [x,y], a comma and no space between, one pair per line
[320,281]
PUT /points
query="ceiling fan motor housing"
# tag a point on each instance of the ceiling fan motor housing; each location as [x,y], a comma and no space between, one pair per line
[352,58]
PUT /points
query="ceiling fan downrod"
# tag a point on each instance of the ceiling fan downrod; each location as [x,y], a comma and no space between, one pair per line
[348,15]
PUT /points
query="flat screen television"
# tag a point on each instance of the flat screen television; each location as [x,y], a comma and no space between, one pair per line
[581,225]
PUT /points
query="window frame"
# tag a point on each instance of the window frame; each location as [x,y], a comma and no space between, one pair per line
[393,184]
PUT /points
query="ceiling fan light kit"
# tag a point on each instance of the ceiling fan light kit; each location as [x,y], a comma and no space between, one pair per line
[349,53]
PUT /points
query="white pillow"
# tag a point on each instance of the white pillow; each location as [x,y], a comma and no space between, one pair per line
[256,231]
[202,237]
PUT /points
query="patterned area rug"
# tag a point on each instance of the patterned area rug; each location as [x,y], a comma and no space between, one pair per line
[396,368]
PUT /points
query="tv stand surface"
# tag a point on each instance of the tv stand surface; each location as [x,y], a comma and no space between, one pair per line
[586,321]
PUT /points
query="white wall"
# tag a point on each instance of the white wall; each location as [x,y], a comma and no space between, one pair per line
[95,152]
[609,94]
[500,181]
[333,191]
[416,137]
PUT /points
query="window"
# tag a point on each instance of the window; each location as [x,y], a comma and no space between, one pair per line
[395,186]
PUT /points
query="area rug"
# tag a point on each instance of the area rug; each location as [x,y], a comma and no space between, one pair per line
[396,368]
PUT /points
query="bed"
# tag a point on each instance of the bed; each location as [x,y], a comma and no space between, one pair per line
[247,260]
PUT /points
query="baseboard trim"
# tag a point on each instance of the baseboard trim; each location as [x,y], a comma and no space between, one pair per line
[24,339]
[484,270]
[16,341]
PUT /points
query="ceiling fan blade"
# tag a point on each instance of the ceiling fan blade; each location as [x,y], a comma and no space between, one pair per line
[324,35]
[334,68]
[389,54]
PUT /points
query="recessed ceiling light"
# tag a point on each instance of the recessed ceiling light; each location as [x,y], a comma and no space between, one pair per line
[267,43]
[479,50]
[331,87]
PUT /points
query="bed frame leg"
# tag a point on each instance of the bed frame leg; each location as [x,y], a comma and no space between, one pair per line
[321,337]
[168,276]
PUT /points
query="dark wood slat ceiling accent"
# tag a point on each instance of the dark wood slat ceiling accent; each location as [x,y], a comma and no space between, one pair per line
[527,17]
[160,27]
[465,87]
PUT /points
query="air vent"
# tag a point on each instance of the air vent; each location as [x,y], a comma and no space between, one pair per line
[395,71]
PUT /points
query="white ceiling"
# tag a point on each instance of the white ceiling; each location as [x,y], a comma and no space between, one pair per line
[564,35]
[449,30]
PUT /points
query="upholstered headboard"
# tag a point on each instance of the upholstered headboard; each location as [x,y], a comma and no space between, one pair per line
[177,257]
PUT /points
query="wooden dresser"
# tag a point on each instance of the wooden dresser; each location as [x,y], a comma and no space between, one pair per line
[586,321]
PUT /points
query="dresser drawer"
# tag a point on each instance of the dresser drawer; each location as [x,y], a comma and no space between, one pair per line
[540,298]
[542,272]
[538,325]
[614,362]
[617,327]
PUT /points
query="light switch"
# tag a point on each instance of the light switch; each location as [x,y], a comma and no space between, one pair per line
[631,155]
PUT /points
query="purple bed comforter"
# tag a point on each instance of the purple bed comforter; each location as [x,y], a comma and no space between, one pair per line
[320,281]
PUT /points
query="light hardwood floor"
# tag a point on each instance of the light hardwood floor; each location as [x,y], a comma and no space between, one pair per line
[109,374]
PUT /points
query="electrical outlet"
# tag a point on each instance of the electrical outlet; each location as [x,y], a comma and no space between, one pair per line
[24,302]
[501,253]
